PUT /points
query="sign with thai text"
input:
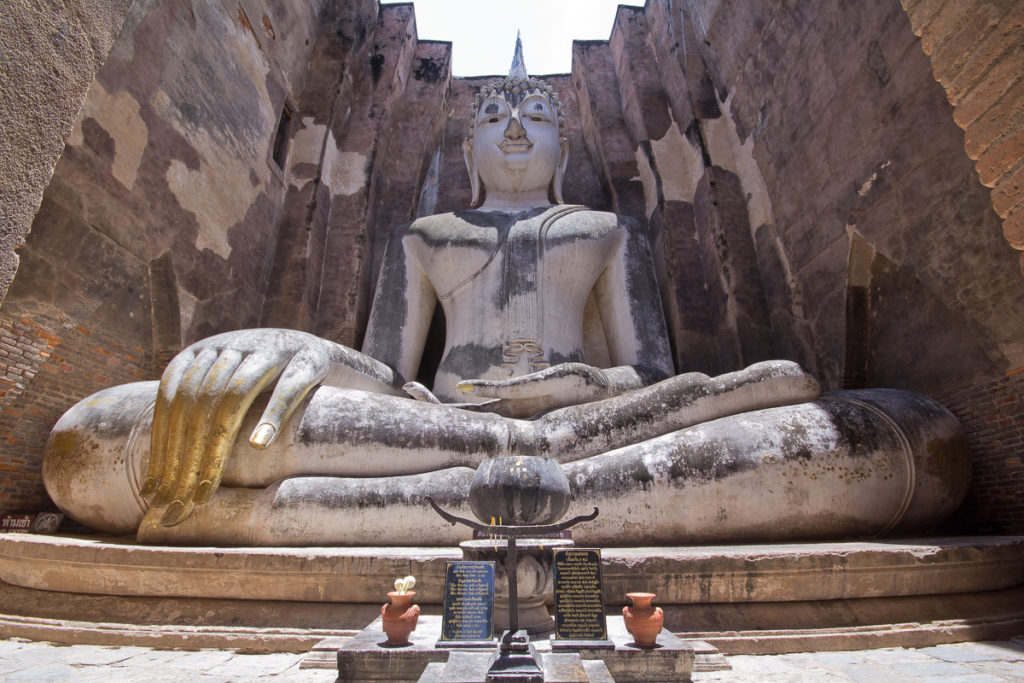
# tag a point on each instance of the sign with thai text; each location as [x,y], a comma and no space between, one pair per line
[468,601]
[579,605]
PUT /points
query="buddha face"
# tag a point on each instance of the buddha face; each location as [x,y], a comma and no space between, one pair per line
[516,145]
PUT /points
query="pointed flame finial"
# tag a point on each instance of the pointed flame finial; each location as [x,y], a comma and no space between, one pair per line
[518,67]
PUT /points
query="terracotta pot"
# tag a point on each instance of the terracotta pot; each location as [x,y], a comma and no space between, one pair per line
[643,620]
[400,617]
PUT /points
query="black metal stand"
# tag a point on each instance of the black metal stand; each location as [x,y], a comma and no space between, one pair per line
[516,658]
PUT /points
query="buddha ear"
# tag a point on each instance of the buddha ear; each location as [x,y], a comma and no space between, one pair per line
[474,176]
[556,183]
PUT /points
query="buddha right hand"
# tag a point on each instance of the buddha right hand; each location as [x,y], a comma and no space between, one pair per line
[205,393]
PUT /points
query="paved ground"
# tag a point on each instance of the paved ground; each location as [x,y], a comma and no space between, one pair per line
[986,662]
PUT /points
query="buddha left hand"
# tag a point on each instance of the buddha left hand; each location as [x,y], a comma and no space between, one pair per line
[559,386]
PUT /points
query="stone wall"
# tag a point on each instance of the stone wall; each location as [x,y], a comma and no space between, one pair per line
[159,224]
[977,54]
[799,169]
[899,272]
[49,54]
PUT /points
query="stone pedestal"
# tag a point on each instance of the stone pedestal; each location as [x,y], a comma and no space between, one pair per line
[364,658]
[536,579]
[741,599]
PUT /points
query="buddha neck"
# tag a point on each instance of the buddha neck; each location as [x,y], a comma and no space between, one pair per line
[498,200]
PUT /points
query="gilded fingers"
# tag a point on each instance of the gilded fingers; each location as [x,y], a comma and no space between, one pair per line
[245,386]
[199,424]
[178,422]
[303,372]
[216,418]
[203,398]
[161,418]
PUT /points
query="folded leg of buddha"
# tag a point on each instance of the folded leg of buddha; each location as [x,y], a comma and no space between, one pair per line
[751,455]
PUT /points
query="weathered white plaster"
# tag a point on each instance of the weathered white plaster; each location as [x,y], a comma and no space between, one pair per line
[862,254]
[306,147]
[725,149]
[649,180]
[220,192]
[866,186]
[679,163]
[118,115]
[345,173]
[214,195]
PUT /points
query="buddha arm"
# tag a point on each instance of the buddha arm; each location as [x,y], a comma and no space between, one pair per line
[403,305]
[208,387]
[630,304]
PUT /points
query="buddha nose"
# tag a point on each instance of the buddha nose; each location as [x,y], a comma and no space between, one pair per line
[514,130]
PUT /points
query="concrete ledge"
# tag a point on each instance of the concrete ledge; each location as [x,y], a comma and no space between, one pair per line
[741,599]
[697,575]
[250,640]
[204,624]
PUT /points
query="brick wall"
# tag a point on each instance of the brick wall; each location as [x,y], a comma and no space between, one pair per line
[44,369]
[977,53]
[991,415]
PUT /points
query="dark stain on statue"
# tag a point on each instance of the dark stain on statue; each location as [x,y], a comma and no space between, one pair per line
[430,70]
[707,461]
[642,287]
[877,63]
[376,66]
[794,443]
[639,473]
[388,347]
[486,219]
[852,419]
[97,139]
[468,361]
[574,356]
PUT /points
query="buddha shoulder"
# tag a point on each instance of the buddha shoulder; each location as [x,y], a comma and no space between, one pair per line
[590,224]
[447,229]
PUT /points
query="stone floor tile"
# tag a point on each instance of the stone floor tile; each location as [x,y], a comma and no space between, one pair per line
[765,665]
[830,658]
[24,659]
[1008,650]
[25,650]
[896,655]
[147,658]
[872,673]
[1013,671]
[13,645]
[307,676]
[91,655]
[41,673]
[202,661]
[255,665]
[935,667]
[972,678]
[960,653]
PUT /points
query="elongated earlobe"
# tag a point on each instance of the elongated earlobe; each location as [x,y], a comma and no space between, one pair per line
[556,183]
[474,176]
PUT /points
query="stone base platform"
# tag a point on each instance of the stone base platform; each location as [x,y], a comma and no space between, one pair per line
[749,599]
[364,658]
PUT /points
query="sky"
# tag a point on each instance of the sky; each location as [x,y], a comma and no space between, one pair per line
[483,32]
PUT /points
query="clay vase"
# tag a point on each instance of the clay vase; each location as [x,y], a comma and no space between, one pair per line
[400,617]
[643,620]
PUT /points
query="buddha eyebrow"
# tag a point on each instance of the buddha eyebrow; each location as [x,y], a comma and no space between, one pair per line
[491,108]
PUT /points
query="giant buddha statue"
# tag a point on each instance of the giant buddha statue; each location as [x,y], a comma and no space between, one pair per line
[555,346]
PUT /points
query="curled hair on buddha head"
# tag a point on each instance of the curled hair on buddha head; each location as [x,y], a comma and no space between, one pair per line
[515,88]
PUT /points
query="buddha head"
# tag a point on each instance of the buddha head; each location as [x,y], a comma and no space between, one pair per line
[515,142]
